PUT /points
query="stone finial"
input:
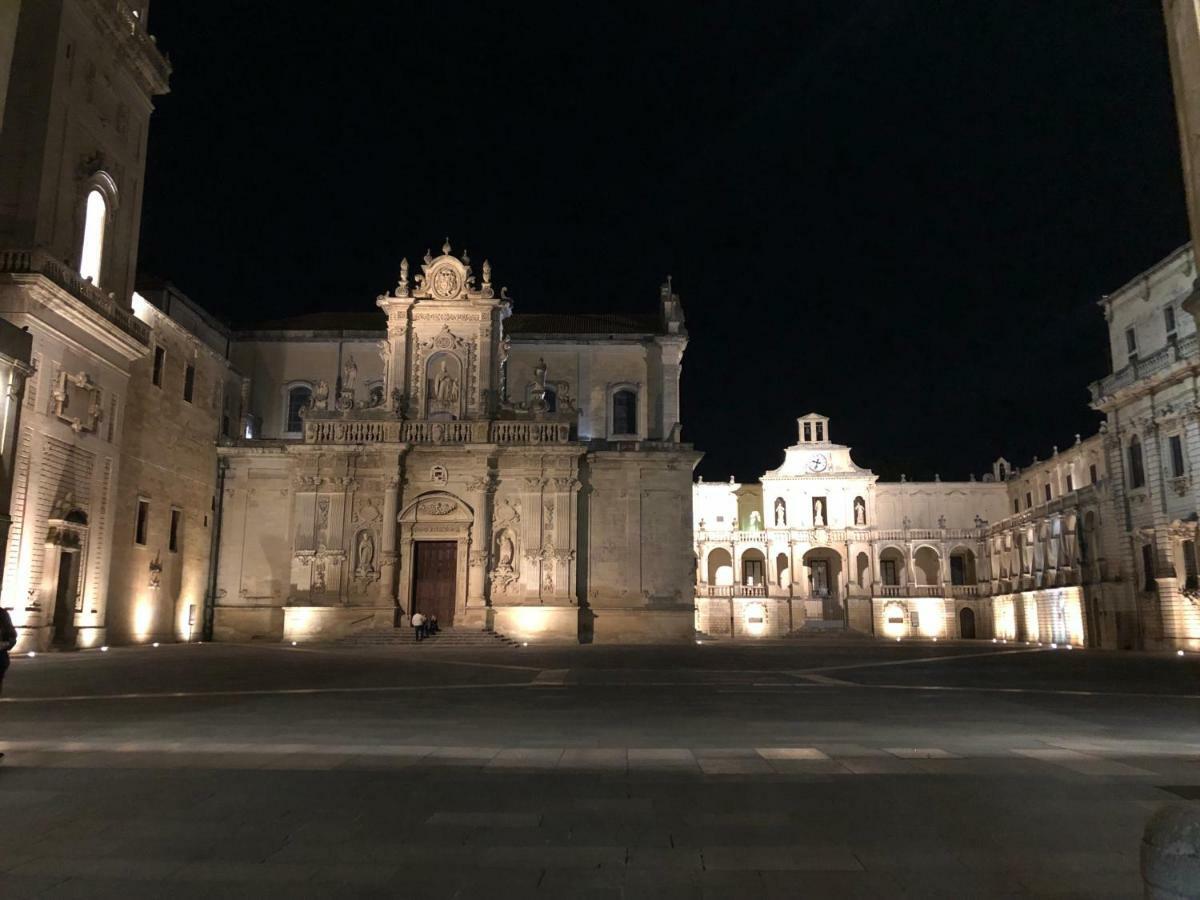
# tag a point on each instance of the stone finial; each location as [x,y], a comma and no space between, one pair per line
[446,247]
[971,478]
[428,258]
[1055,453]
[402,285]
[937,477]
[1077,440]
[487,273]
[903,478]
[466,257]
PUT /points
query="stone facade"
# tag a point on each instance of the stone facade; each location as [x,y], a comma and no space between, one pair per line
[820,543]
[77,104]
[542,455]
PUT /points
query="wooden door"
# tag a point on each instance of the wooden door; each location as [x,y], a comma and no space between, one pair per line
[434,570]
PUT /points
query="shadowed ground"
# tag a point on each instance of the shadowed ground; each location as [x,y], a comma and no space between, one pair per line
[780,769]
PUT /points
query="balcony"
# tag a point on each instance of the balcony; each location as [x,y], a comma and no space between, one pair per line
[731,590]
[1156,362]
[20,263]
[350,430]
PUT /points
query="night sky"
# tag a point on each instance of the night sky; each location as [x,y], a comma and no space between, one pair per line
[899,214]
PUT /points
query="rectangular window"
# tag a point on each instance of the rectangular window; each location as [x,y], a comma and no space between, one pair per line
[820,431]
[752,571]
[808,431]
[1131,343]
[1176,456]
[1016,505]
[1148,567]
[173,540]
[140,525]
[1137,467]
[1169,319]
[888,570]
[1049,494]
[160,361]
[1070,483]
[1093,474]
[189,383]
[1028,500]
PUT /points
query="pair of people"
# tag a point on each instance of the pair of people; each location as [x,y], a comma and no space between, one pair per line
[425,626]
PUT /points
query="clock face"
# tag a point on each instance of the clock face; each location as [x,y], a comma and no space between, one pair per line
[818,462]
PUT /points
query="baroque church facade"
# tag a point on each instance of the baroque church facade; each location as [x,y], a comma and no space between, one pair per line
[169,478]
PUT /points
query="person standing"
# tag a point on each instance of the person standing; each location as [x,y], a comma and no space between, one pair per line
[418,623]
[8,640]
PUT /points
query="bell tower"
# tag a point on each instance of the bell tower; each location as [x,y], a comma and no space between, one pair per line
[443,354]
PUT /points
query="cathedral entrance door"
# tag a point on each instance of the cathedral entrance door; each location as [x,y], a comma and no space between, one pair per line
[434,565]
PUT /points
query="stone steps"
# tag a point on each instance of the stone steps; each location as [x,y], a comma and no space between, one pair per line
[406,636]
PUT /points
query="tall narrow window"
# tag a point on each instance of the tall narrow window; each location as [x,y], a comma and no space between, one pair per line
[1147,567]
[1176,456]
[808,432]
[1093,474]
[1169,320]
[1070,482]
[1131,344]
[91,256]
[140,525]
[624,412]
[160,362]
[1049,493]
[887,568]
[1137,467]
[820,431]
[173,540]
[1188,550]
[189,383]
[298,399]
[1016,505]
[1028,499]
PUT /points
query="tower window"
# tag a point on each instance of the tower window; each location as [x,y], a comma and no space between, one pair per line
[160,361]
[1131,344]
[141,523]
[1093,474]
[189,383]
[92,253]
[1137,468]
[173,541]
[1176,456]
[1049,493]
[1169,320]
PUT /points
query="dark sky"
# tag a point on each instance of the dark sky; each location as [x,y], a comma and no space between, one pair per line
[897,213]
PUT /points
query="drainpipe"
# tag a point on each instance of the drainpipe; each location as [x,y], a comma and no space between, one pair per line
[214,555]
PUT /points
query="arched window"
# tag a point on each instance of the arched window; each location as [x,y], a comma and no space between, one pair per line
[624,412]
[92,253]
[299,396]
[1137,468]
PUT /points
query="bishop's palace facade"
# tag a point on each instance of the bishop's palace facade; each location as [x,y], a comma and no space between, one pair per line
[323,477]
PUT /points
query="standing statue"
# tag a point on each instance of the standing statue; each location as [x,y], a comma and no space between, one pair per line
[818,513]
[755,520]
[507,551]
[860,512]
[780,513]
[366,552]
[445,387]
[349,374]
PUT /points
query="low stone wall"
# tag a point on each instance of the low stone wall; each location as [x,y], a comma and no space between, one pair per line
[328,623]
[540,624]
[639,625]
[248,623]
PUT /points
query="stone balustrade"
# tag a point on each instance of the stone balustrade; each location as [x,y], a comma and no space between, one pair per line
[731,590]
[39,262]
[839,535]
[395,431]
[1185,349]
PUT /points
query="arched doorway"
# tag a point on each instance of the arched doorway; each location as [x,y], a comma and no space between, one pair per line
[754,568]
[720,566]
[66,544]
[966,623]
[824,578]
[434,533]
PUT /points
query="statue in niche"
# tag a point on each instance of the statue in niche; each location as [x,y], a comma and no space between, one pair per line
[366,553]
[818,513]
[860,511]
[507,551]
[445,386]
[780,513]
[755,520]
[349,374]
[318,576]
[321,396]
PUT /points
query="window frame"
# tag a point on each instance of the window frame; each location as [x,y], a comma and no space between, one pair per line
[189,383]
[287,406]
[141,522]
[636,391]
[158,367]
[1175,453]
[1136,463]
[175,527]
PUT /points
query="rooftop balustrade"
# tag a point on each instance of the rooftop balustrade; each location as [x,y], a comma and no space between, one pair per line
[20,262]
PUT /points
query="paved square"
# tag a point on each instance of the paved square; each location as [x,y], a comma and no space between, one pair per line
[712,771]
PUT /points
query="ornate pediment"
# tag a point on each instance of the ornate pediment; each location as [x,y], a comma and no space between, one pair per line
[446,277]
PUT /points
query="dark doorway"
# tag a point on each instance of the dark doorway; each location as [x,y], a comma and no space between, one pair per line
[434,565]
[966,623]
[64,600]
